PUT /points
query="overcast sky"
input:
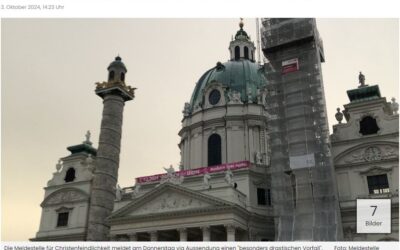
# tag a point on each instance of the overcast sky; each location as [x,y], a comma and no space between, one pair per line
[49,67]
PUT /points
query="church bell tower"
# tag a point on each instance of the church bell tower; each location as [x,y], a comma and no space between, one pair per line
[114,93]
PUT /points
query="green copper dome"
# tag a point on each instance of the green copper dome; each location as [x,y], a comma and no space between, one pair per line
[243,76]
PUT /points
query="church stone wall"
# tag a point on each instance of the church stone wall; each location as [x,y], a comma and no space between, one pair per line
[358,156]
[240,130]
[387,123]
[71,197]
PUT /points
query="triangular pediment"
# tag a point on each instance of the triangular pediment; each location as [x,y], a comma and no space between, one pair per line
[168,198]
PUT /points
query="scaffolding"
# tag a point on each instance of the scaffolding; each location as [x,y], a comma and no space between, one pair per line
[302,177]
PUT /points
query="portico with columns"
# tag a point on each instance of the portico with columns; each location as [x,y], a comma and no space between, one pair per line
[174,213]
[205,233]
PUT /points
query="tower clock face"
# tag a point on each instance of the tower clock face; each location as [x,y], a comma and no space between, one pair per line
[214,97]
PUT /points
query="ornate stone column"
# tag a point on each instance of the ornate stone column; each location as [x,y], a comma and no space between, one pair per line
[153,236]
[206,233]
[114,93]
[182,234]
[230,232]
[132,237]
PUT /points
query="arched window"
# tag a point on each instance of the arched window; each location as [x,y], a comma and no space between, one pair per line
[368,126]
[214,150]
[237,53]
[111,75]
[246,52]
[70,175]
[122,76]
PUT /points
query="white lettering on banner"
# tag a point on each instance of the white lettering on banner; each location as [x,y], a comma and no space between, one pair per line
[197,171]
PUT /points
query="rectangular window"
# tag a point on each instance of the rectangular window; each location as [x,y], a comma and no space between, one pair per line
[378,184]
[261,196]
[62,220]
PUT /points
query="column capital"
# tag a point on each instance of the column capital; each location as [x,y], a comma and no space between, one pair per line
[182,229]
[230,227]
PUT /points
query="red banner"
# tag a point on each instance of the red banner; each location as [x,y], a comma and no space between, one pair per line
[196,171]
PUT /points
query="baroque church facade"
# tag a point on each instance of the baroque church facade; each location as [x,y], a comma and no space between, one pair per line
[224,188]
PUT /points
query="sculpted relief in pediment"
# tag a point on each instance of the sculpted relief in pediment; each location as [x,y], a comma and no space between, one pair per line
[168,202]
[65,196]
[370,154]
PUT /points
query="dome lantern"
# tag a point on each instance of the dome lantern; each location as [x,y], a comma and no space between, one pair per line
[241,47]
[117,70]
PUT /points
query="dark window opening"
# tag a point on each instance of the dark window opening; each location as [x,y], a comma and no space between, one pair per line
[122,76]
[294,191]
[70,175]
[237,53]
[261,196]
[62,219]
[264,196]
[246,53]
[111,75]
[368,126]
[378,184]
[214,150]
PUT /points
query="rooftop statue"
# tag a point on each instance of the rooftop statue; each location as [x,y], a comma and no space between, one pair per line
[206,180]
[118,193]
[170,170]
[361,79]
[59,165]
[87,136]
[339,116]
[229,177]
[395,106]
